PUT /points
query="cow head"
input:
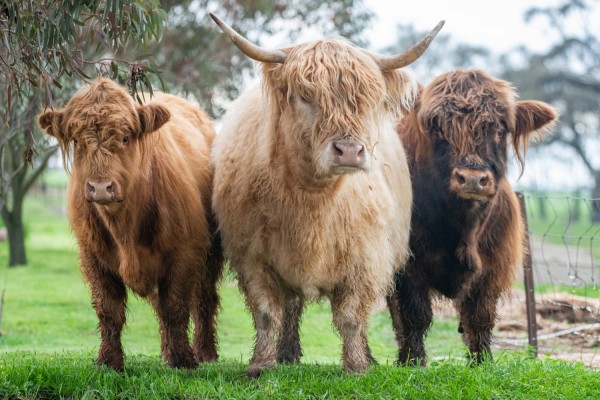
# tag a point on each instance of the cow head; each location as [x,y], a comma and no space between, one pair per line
[101,132]
[330,100]
[471,118]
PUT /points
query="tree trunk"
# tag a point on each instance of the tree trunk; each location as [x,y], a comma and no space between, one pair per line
[16,244]
[16,232]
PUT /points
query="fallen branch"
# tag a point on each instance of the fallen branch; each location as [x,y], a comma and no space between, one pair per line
[519,342]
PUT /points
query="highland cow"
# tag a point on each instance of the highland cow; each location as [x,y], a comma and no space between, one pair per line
[138,202]
[312,190]
[467,229]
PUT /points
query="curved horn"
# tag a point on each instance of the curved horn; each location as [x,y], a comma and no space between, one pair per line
[388,63]
[249,48]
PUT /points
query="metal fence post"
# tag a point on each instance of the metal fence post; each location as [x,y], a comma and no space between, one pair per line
[529,288]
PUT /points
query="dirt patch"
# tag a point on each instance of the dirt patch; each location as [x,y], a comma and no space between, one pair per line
[568,326]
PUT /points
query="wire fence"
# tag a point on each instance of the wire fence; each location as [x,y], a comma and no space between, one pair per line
[564,237]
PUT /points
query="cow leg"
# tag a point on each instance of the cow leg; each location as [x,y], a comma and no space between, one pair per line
[477,319]
[206,305]
[109,297]
[154,302]
[265,299]
[289,349]
[394,307]
[411,312]
[367,348]
[350,315]
[173,311]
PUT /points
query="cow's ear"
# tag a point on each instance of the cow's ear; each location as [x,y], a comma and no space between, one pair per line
[51,122]
[152,117]
[533,120]
[533,117]
[401,91]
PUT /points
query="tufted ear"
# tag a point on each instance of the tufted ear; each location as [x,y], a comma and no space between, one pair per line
[533,116]
[152,117]
[401,91]
[51,122]
[533,119]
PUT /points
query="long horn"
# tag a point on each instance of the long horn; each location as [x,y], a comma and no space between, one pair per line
[388,63]
[249,48]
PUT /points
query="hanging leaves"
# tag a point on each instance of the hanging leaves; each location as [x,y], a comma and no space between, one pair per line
[42,40]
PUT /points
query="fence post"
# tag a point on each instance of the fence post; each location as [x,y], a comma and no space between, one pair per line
[529,289]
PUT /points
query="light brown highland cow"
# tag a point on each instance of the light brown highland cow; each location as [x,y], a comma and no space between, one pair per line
[139,206]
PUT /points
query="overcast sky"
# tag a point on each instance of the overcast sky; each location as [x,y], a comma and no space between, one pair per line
[498,25]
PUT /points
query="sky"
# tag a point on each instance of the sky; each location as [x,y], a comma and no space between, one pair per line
[498,25]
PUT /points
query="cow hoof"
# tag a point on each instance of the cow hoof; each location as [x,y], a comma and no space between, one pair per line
[112,358]
[372,360]
[477,358]
[254,373]
[114,365]
[357,369]
[207,357]
[185,362]
[412,362]
[288,359]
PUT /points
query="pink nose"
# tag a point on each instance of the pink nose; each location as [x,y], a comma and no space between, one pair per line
[101,191]
[473,181]
[348,153]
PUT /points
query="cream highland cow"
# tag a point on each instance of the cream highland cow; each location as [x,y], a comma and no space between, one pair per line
[312,190]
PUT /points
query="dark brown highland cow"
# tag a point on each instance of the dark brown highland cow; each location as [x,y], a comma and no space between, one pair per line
[467,228]
[139,205]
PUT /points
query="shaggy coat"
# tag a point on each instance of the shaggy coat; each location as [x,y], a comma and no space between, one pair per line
[467,228]
[301,220]
[138,202]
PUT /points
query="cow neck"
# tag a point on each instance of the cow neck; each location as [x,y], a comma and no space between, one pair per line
[467,215]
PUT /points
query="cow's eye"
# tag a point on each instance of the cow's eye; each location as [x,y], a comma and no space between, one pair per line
[126,139]
[500,135]
[74,141]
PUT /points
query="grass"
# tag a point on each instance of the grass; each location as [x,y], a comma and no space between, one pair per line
[68,375]
[49,343]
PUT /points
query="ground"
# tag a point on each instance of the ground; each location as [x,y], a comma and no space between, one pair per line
[568,310]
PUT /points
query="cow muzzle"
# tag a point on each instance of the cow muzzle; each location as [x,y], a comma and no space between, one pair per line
[475,184]
[102,191]
[350,154]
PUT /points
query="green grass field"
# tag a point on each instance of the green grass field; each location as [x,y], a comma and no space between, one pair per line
[49,340]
